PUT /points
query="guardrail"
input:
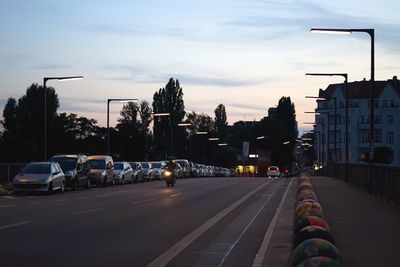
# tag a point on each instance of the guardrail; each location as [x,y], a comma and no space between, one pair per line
[384,181]
[9,170]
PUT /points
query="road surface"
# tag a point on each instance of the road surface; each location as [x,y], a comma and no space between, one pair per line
[199,222]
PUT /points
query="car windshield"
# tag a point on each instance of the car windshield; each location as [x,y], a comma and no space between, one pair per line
[133,165]
[97,164]
[181,162]
[156,165]
[118,166]
[37,168]
[66,164]
[273,168]
[145,165]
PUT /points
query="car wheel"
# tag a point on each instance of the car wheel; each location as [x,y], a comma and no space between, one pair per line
[50,189]
[62,188]
[123,180]
[87,183]
[75,184]
[105,181]
[132,179]
[113,181]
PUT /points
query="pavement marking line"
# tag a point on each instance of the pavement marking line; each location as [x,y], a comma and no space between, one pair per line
[247,227]
[59,200]
[82,197]
[171,253]
[35,202]
[143,201]
[112,193]
[14,225]
[7,206]
[86,211]
[175,195]
[258,260]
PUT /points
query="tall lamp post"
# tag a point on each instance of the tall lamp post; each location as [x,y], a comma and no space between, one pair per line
[166,114]
[371,33]
[335,120]
[45,79]
[320,151]
[121,100]
[327,130]
[204,144]
[346,106]
[186,124]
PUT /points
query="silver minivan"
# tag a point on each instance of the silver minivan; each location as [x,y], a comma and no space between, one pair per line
[101,170]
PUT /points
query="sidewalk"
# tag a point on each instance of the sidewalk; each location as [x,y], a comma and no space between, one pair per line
[366,229]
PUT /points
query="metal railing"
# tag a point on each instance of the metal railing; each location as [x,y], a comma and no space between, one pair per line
[9,170]
[384,181]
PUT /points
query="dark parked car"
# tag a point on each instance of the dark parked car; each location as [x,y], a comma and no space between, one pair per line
[76,169]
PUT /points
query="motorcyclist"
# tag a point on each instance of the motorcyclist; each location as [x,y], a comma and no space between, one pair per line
[170,167]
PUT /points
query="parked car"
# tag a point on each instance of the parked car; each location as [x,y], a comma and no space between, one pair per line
[147,171]
[184,163]
[123,172]
[178,172]
[232,172]
[76,169]
[273,171]
[101,170]
[40,176]
[137,171]
[158,169]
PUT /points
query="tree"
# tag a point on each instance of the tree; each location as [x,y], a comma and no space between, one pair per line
[10,134]
[220,120]
[145,120]
[169,99]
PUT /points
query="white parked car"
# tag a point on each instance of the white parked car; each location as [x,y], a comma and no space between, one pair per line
[273,171]
[123,172]
[40,176]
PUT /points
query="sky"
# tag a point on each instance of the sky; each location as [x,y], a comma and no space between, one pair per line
[243,54]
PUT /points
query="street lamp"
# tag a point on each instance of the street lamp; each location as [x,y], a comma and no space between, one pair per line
[335,119]
[45,79]
[121,100]
[186,124]
[222,144]
[327,130]
[371,33]
[321,152]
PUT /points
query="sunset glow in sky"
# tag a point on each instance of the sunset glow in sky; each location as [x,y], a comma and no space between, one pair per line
[244,54]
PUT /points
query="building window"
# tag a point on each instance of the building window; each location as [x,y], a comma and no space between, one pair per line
[364,136]
[390,137]
[392,103]
[376,103]
[378,136]
[385,103]
[390,119]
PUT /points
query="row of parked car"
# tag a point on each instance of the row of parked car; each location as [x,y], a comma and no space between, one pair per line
[79,170]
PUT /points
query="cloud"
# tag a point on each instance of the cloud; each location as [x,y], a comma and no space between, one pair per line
[51,66]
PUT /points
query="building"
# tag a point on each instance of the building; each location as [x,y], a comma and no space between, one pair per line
[386,121]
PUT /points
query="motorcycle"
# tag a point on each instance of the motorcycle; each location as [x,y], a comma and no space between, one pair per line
[169,178]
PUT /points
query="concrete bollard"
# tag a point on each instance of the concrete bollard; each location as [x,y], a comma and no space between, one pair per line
[308,221]
[314,247]
[320,262]
[310,232]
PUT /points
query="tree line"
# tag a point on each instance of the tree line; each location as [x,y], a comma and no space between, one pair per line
[140,133]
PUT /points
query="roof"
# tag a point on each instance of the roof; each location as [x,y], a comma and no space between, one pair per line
[361,89]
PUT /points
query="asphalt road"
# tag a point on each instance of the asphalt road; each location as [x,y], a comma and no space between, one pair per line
[199,222]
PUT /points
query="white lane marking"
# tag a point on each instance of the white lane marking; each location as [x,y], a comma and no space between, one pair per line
[143,201]
[258,260]
[82,197]
[175,195]
[7,206]
[247,227]
[35,202]
[61,199]
[112,193]
[87,211]
[8,197]
[14,225]
[171,253]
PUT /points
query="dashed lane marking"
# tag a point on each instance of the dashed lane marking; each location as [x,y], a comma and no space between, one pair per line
[143,201]
[171,253]
[8,197]
[87,211]
[175,195]
[7,226]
